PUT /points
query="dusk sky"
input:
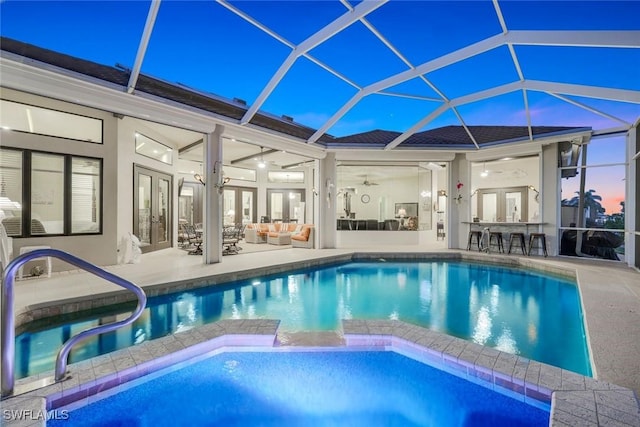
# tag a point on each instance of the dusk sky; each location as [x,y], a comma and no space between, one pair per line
[205,46]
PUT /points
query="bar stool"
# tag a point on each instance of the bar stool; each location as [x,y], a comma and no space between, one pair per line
[541,238]
[440,232]
[518,238]
[477,235]
[495,239]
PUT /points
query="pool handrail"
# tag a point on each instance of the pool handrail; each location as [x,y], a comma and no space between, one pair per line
[8,321]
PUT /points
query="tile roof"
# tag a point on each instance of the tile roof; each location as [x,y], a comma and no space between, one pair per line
[454,136]
[377,136]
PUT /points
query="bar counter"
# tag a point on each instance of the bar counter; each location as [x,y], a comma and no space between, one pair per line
[507,226]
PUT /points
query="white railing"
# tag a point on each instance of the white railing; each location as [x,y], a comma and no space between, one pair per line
[8,321]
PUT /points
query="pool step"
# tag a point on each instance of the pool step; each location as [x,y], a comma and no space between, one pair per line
[312,338]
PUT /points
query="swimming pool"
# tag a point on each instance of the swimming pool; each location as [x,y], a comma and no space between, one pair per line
[513,310]
[338,388]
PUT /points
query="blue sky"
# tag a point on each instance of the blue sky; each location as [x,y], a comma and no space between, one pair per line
[203,45]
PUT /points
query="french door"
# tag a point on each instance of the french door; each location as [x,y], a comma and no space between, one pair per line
[286,205]
[152,201]
[239,205]
[503,204]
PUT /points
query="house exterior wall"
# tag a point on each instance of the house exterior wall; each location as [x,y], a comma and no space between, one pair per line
[99,249]
[127,157]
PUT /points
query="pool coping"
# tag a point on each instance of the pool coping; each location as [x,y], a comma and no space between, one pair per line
[574,399]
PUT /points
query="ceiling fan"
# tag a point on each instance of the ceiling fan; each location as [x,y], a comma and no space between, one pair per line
[368,183]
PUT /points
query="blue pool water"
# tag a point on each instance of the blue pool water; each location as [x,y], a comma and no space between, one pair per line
[307,389]
[516,311]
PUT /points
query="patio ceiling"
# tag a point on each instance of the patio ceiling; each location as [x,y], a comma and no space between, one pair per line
[342,68]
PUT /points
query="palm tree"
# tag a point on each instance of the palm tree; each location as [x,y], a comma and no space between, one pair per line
[590,201]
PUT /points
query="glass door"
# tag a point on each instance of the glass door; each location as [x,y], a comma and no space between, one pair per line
[248,206]
[503,204]
[239,205]
[286,205]
[152,208]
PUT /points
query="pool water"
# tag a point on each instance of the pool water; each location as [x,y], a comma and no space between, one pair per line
[328,388]
[513,310]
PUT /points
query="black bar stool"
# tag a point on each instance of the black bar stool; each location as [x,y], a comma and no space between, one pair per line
[495,239]
[517,238]
[541,238]
[477,235]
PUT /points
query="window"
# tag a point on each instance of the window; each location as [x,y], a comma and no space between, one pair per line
[287,177]
[62,193]
[85,195]
[43,121]
[11,190]
[241,174]
[151,148]
[503,204]
[47,194]
[593,200]
[505,190]
[386,197]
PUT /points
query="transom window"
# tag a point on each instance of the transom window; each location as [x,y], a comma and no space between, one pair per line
[43,121]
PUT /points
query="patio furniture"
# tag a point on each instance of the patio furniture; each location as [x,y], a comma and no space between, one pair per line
[519,239]
[305,238]
[256,233]
[279,238]
[495,240]
[230,238]
[539,238]
[474,234]
[194,238]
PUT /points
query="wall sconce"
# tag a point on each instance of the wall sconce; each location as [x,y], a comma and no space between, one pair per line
[222,180]
[537,196]
[198,178]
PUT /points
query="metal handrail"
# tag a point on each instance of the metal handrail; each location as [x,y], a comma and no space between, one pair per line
[8,321]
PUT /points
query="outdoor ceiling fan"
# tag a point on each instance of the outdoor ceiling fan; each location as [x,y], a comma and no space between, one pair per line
[368,183]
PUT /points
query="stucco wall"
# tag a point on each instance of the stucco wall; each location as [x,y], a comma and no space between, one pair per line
[98,249]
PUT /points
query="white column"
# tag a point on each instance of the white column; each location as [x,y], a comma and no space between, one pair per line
[459,211]
[327,189]
[549,201]
[213,197]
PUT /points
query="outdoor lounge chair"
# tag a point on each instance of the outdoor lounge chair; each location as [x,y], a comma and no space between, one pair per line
[230,239]
[194,238]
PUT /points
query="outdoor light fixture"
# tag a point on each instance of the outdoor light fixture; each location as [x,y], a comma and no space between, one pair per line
[485,172]
[198,178]
[261,163]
